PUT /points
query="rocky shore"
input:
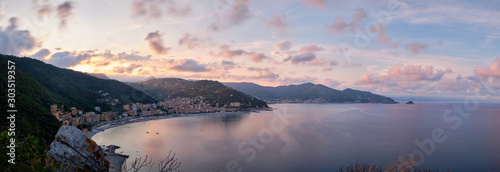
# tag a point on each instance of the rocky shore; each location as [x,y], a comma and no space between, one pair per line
[72,151]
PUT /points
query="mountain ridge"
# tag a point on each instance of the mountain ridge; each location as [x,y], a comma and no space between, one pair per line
[308,92]
[99,75]
[79,89]
[213,91]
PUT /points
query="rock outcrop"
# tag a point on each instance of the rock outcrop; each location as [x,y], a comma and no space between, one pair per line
[76,152]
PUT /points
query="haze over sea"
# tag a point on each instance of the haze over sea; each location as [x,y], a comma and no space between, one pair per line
[320,137]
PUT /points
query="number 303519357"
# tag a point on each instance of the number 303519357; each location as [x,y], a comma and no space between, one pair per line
[11,84]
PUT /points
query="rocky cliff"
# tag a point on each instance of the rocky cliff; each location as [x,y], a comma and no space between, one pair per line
[76,152]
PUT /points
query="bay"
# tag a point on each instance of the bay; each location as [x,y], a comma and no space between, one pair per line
[320,137]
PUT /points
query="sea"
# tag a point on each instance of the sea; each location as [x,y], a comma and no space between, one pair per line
[459,136]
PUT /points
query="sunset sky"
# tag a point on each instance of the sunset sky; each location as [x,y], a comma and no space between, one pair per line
[430,48]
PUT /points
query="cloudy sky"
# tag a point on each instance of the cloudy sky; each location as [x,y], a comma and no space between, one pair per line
[430,48]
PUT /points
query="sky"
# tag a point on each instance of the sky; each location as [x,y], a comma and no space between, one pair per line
[396,47]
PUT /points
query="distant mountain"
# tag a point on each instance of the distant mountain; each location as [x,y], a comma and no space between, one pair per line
[308,92]
[76,89]
[213,91]
[99,75]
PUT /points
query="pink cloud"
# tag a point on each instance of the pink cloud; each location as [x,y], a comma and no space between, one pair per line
[381,30]
[327,69]
[316,3]
[257,57]
[44,8]
[157,8]
[400,72]
[301,58]
[340,26]
[491,71]
[311,48]
[452,85]
[263,73]
[382,37]
[396,44]
[416,47]
[283,45]
[128,69]
[322,62]
[192,42]
[156,43]
[416,73]
[278,22]
[231,14]
[64,12]
[413,79]
[227,53]
[368,79]
[331,82]
[358,16]
[190,65]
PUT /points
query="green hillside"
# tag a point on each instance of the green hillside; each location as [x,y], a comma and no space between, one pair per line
[37,86]
[77,89]
[213,91]
[309,91]
[32,103]
[33,117]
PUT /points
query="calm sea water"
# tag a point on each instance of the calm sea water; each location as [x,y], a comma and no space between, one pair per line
[321,137]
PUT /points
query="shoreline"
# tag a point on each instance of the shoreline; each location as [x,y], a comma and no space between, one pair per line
[132,120]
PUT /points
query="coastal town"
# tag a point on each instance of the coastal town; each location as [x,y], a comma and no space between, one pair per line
[129,112]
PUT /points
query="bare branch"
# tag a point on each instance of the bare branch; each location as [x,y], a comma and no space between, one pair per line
[138,164]
[169,164]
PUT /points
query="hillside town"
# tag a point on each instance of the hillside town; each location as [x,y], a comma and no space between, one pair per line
[85,120]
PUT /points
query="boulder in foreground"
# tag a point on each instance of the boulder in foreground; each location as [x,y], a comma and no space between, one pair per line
[76,152]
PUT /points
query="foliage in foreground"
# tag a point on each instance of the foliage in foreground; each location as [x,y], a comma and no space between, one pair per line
[29,154]
[393,166]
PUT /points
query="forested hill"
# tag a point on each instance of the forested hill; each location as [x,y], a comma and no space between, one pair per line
[308,91]
[38,85]
[32,101]
[213,91]
[77,89]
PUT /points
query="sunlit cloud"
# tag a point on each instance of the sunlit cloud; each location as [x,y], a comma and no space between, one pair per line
[490,71]
[423,48]
[316,3]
